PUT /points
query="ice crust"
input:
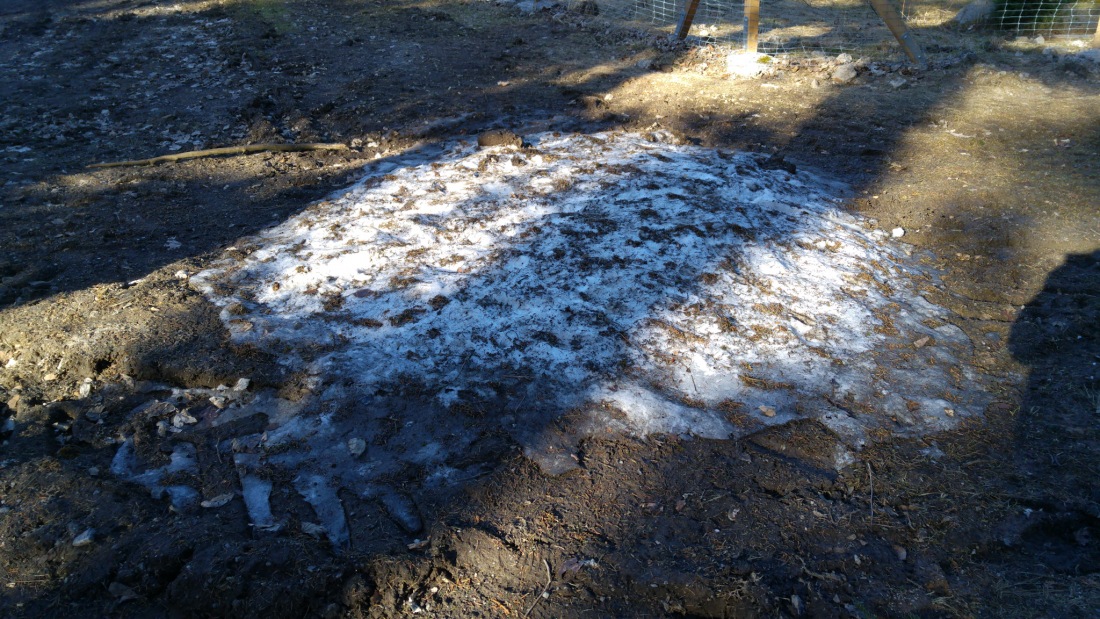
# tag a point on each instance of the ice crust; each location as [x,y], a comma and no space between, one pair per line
[634,285]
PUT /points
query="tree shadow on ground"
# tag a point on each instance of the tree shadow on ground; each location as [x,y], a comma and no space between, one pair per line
[861,156]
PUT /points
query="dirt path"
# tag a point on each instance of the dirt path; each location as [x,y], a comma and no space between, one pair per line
[987,162]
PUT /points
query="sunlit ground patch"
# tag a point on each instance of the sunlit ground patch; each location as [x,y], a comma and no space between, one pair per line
[643,286]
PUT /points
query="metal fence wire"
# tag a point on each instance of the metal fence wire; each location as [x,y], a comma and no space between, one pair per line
[836,26]
[1047,17]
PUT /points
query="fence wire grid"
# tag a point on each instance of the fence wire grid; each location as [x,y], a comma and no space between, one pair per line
[838,26]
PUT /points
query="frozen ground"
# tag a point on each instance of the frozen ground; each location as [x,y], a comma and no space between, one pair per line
[643,286]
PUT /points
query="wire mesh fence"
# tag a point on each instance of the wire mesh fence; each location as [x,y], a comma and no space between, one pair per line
[1049,17]
[838,26]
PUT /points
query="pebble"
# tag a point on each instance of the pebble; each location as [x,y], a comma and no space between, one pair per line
[85,538]
[219,401]
[93,471]
[182,418]
[218,501]
[356,447]
[768,411]
[901,552]
[242,384]
[897,233]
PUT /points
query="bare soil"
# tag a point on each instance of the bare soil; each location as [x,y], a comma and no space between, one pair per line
[987,159]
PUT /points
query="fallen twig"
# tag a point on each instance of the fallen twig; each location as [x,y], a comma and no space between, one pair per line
[545,590]
[871,481]
[227,150]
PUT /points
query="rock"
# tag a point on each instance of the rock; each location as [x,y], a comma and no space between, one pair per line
[898,232]
[182,418]
[922,342]
[218,501]
[93,471]
[768,411]
[844,73]
[219,401]
[242,384]
[499,137]
[897,82]
[844,58]
[1039,40]
[356,447]
[313,529]
[122,592]
[901,552]
[85,538]
[976,12]
[746,65]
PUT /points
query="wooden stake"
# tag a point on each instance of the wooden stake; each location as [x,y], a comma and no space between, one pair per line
[689,17]
[896,24]
[752,25]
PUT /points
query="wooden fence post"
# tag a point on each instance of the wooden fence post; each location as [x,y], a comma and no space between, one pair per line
[894,22]
[752,25]
[689,16]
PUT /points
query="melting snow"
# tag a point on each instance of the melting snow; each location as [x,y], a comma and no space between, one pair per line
[653,287]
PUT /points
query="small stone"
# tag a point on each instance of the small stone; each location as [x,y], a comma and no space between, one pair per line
[219,401]
[122,592]
[162,428]
[242,384]
[897,233]
[844,73]
[93,471]
[312,529]
[85,389]
[85,538]
[356,447]
[844,58]
[1039,40]
[922,342]
[49,377]
[768,411]
[182,418]
[897,82]
[815,84]
[950,412]
[218,501]
[901,552]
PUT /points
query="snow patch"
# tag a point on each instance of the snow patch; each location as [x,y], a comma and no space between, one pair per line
[654,287]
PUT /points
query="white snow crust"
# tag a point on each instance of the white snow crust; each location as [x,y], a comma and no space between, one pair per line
[657,287]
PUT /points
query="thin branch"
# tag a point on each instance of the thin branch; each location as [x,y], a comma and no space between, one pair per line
[545,590]
[871,480]
[227,150]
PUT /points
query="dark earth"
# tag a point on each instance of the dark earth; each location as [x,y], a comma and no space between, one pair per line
[988,158]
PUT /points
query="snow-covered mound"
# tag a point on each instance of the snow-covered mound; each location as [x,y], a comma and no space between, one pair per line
[655,287]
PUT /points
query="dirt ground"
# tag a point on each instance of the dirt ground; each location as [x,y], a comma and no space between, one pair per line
[988,159]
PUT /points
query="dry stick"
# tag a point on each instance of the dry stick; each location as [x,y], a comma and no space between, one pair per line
[544,591]
[871,480]
[228,150]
